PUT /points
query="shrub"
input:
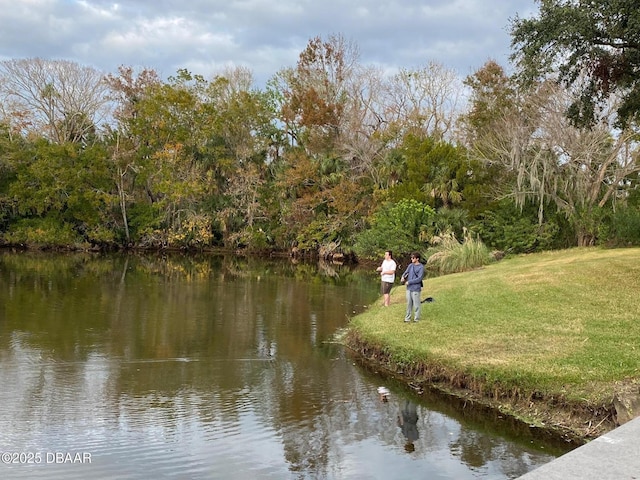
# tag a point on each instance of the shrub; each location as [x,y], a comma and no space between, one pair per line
[512,230]
[623,229]
[396,227]
[451,256]
[42,232]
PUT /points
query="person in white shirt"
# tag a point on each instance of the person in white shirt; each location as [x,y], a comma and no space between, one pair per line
[387,275]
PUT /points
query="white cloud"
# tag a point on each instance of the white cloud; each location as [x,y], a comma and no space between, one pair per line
[207,35]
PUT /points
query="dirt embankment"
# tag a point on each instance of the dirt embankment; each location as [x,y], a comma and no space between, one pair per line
[550,416]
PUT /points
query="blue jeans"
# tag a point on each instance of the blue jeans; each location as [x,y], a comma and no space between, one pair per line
[413,304]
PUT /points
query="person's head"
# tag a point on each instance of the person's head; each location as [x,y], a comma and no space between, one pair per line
[415,256]
[388,254]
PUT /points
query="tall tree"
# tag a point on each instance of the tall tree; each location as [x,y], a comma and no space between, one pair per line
[243,129]
[425,101]
[175,122]
[493,98]
[492,95]
[62,101]
[127,90]
[437,172]
[594,45]
[68,184]
[13,151]
[244,119]
[315,92]
[365,135]
[321,172]
[579,170]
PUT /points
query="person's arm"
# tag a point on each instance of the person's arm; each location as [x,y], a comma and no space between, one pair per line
[416,276]
[405,275]
[391,271]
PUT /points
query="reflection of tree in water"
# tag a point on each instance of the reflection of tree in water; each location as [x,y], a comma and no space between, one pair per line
[473,449]
[478,450]
[238,346]
[305,396]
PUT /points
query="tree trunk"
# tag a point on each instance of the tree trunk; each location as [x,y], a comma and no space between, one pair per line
[123,203]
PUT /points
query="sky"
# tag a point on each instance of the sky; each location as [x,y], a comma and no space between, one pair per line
[207,36]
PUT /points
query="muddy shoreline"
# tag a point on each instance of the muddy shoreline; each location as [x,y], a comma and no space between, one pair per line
[546,417]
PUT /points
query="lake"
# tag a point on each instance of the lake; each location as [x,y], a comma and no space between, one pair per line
[130,366]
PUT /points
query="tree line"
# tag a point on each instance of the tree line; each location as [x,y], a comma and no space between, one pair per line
[334,157]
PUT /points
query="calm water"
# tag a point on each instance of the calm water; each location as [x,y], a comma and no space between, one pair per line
[143,367]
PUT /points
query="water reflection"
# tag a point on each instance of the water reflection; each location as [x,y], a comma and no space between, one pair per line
[212,367]
[408,423]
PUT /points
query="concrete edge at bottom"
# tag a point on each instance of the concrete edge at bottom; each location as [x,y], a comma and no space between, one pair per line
[614,455]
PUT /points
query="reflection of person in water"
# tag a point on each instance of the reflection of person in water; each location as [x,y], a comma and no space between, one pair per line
[408,423]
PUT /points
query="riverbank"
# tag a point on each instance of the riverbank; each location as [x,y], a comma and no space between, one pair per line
[549,338]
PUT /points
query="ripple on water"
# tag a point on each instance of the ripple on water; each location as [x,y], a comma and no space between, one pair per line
[214,379]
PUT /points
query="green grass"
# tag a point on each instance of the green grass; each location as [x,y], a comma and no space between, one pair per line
[562,323]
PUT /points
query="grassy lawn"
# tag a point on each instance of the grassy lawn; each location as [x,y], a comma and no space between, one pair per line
[557,324]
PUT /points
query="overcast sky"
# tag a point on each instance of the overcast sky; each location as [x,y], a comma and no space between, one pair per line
[205,36]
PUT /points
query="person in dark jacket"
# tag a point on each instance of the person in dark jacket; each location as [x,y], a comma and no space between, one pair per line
[412,278]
